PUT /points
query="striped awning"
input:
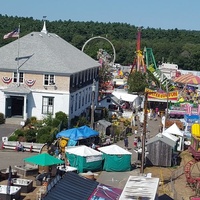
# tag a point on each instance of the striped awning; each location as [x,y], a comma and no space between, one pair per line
[188,79]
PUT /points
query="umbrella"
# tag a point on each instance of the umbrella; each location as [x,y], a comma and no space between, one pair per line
[43,159]
[188,79]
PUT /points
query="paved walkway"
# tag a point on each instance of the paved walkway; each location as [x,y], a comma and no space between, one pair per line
[153,128]
[10,157]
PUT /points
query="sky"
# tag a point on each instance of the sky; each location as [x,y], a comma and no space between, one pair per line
[170,14]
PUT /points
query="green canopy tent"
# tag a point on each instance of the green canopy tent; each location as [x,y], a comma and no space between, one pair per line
[45,162]
[116,159]
[43,159]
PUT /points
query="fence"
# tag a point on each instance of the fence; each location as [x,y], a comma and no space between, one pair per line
[28,146]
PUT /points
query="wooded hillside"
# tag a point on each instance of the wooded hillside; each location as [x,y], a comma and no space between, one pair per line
[175,46]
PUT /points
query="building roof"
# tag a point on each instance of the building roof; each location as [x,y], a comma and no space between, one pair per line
[41,53]
[72,186]
[140,187]
[163,138]
[104,123]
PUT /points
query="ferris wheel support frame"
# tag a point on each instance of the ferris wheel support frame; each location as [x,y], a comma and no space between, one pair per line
[100,37]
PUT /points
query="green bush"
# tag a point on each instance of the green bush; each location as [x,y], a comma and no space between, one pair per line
[45,138]
[63,118]
[2,118]
[19,132]
[55,122]
[48,120]
[13,138]
[31,135]
[33,120]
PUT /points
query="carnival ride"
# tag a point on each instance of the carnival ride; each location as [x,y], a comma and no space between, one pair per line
[138,63]
[192,168]
[146,61]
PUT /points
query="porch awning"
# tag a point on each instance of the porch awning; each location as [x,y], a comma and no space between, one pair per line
[14,89]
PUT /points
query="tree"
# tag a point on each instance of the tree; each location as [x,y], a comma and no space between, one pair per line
[137,82]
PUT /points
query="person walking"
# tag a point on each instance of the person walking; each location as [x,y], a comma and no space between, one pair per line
[126,142]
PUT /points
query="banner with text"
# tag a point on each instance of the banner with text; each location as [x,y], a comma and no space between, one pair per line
[172,95]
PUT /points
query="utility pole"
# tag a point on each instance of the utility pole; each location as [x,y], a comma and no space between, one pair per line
[92,106]
[144,133]
[167,110]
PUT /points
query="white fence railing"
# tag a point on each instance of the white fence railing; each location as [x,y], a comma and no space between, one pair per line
[27,146]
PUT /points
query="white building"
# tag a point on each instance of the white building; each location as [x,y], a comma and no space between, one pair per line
[42,74]
[169,70]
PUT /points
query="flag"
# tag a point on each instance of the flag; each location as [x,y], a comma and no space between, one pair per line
[13,34]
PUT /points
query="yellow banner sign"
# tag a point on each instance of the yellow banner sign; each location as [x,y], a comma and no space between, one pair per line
[173,95]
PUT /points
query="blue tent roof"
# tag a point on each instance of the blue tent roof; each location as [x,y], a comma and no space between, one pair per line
[78,133]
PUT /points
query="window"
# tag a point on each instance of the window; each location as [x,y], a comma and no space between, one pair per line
[21,77]
[47,105]
[49,79]
[108,100]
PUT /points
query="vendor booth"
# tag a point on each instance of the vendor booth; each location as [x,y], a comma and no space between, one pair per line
[195,141]
[116,159]
[84,158]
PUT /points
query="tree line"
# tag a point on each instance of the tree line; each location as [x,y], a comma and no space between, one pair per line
[175,46]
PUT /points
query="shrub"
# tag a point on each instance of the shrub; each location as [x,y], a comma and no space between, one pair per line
[19,132]
[56,122]
[13,138]
[63,118]
[45,138]
[33,120]
[31,135]
[2,118]
[48,120]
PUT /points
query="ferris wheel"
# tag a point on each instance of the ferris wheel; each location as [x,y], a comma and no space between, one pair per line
[99,37]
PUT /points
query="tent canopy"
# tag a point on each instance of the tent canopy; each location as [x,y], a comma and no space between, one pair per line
[125,96]
[43,159]
[174,130]
[170,136]
[79,133]
[188,79]
[82,150]
[114,150]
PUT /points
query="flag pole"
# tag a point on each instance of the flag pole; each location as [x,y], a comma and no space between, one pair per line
[18,57]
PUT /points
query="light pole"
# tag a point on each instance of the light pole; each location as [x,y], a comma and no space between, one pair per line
[144,133]
[92,106]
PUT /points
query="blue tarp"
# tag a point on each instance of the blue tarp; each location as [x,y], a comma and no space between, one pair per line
[191,118]
[79,133]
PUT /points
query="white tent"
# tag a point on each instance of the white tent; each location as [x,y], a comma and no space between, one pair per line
[82,150]
[125,96]
[84,158]
[174,130]
[114,150]
[170,136]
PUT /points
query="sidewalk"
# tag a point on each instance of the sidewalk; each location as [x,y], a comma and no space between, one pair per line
[153,127]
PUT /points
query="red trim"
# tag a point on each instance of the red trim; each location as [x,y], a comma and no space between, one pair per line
[6,79]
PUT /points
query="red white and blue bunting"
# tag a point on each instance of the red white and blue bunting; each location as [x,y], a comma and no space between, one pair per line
[30,82]
[6,79]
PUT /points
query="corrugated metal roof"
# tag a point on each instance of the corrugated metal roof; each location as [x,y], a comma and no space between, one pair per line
[72,187]
[140,187]
[40,52]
